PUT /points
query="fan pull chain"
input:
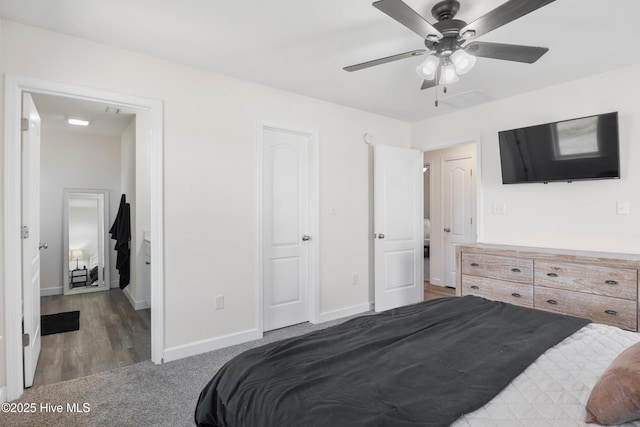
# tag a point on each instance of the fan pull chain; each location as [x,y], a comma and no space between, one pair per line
[437,72]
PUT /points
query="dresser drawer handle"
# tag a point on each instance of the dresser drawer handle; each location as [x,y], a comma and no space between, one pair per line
[552,275]
[611,282]
[611,312]
[474,287]
[552,301]
[475,264]
[516,270]
[515,294]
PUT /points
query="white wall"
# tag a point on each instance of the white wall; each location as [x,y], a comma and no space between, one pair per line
[72,160]
[426,183]
[210,181]
[142,207]
[136,184]
[580,215]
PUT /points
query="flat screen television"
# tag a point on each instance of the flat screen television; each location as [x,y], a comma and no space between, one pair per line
[569,150]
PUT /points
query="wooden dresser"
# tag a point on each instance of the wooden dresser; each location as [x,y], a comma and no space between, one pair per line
[599,286]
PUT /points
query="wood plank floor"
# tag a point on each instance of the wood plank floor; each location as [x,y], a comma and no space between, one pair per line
[112,334]
[434,291]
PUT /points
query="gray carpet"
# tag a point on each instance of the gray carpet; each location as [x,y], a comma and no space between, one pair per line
[138,395]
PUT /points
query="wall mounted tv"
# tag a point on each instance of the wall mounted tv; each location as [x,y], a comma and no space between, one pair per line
[569,150]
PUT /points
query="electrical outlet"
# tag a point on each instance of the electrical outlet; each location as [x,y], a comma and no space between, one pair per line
[219,302]
[354,281]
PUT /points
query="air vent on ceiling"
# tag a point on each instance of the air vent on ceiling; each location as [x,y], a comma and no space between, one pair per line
[467,99]
[112,110]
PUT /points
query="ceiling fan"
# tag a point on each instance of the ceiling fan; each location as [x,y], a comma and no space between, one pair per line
[448,40]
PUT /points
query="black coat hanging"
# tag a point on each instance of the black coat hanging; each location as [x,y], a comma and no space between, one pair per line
[121,232]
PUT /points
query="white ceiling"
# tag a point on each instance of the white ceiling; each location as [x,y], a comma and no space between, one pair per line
[103,119]
[302,45]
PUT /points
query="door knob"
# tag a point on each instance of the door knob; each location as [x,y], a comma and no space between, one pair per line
[380,236]
[43,246]
[447,229]
[305,238]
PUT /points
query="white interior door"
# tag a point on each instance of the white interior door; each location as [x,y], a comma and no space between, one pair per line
[458,212]
[398,227]
[31,235]
[285,228]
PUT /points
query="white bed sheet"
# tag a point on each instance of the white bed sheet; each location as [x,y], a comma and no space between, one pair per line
[553,391]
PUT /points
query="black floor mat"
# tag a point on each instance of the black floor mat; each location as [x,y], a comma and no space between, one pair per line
[60,322]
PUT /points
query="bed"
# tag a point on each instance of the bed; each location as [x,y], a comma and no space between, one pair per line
[93,269]
[463,361]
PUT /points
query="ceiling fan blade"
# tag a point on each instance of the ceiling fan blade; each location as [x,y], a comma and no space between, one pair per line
[506,52]
[385,60]
[426,84]
[408,17]
[503,14]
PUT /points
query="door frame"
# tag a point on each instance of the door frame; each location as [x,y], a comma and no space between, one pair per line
[14,88]
[477,140]
[314,224]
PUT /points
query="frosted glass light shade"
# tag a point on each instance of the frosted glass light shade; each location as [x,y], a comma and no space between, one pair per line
[463,61]
[448,74]
[427,70]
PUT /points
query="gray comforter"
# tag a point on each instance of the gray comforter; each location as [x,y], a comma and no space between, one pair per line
[420,365]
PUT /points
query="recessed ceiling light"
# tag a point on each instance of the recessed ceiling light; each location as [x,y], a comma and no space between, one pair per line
[78,122]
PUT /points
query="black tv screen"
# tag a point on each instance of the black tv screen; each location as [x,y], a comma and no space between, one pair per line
[569,150]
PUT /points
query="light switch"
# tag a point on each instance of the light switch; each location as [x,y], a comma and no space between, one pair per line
[499,209]
[332,209]
[622,208]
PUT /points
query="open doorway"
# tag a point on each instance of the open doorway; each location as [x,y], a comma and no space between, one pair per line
[150,123]
[87,162]
[450,213]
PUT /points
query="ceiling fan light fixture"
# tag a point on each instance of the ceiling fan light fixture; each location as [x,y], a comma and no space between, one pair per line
[462,61]
[427,70]
[448,74]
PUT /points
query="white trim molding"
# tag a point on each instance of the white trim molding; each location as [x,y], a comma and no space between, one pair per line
[50,290]
[204,346]
[136,304]
[345,312]
[12,277]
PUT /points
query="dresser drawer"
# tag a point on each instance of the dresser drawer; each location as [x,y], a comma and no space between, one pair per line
[600,309]
[599,280]
[498,290]
[518,270]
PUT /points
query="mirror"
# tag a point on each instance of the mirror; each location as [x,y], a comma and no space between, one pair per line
[86,258]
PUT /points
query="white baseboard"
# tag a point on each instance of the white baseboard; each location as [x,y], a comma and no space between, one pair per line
[51,290]
[436,281]
[136,304]
[3,394]
[347,311]
[199,347]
